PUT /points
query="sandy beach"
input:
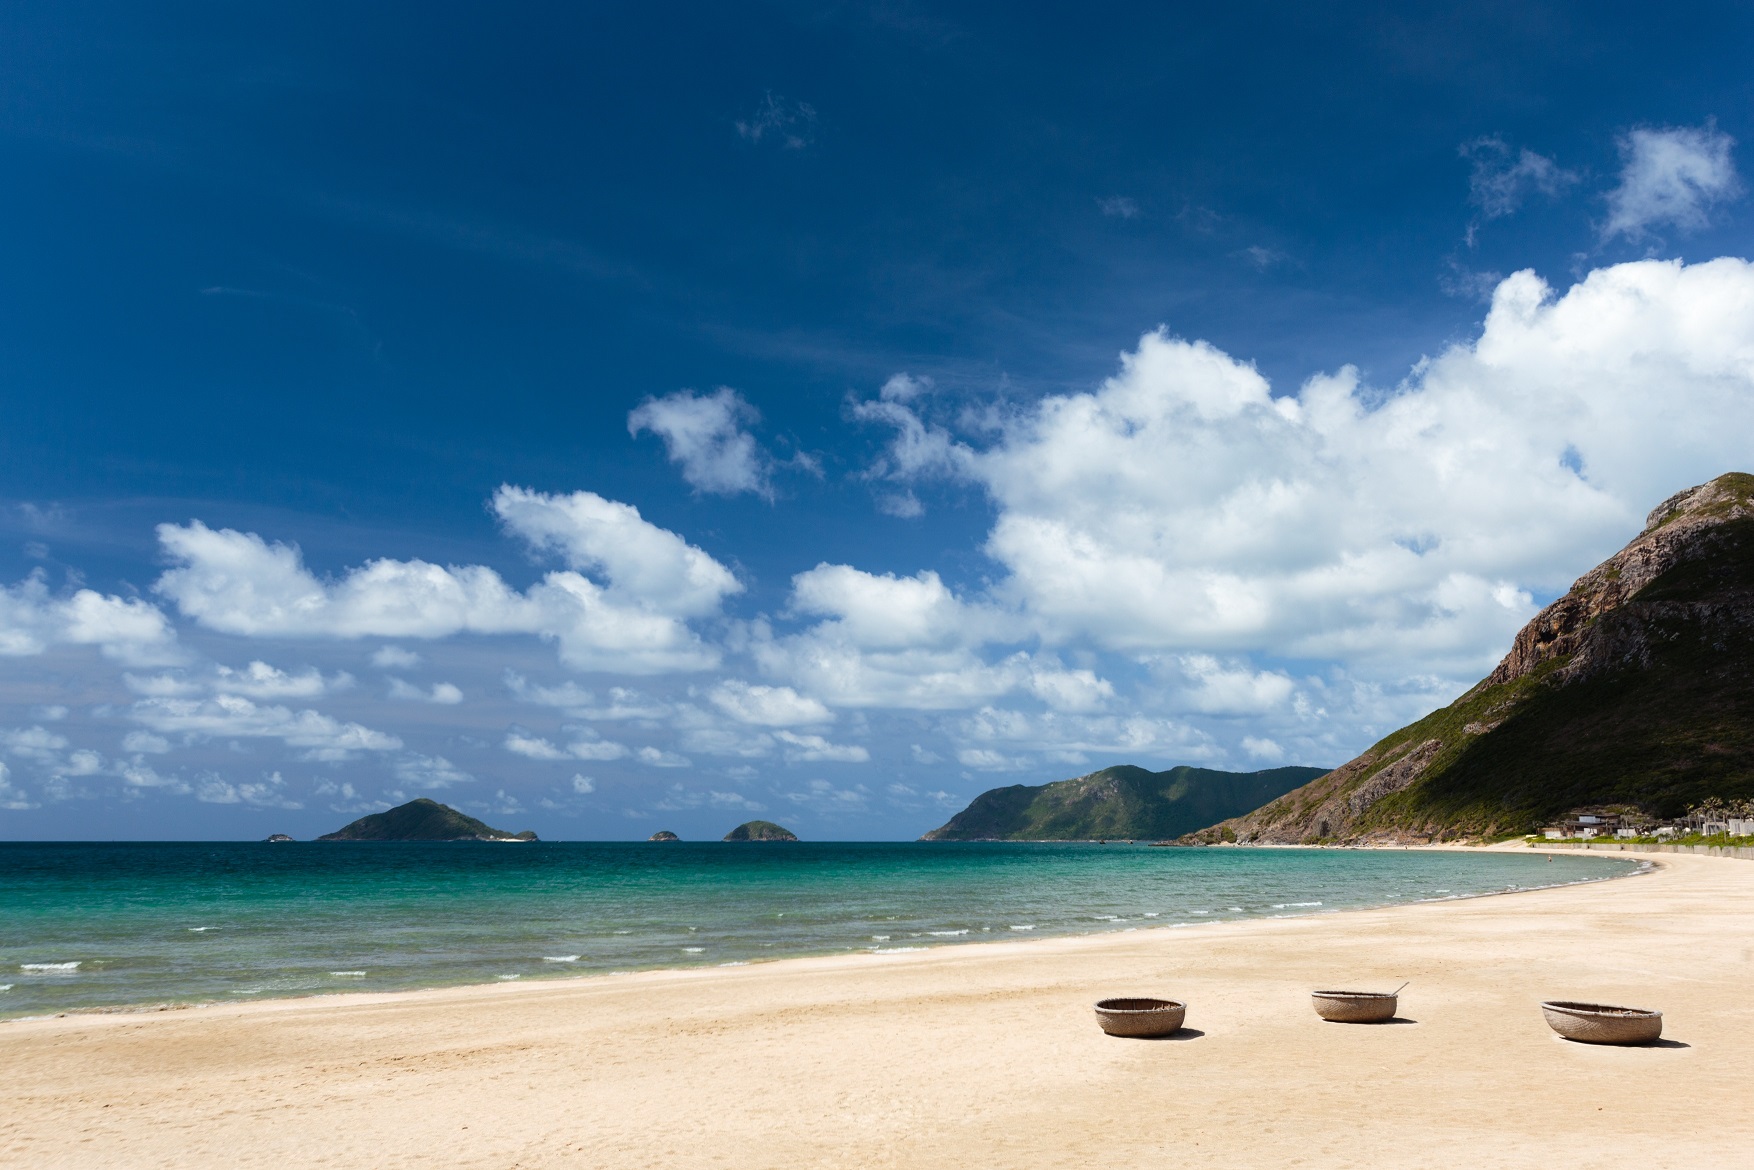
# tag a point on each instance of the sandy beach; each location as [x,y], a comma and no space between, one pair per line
[982,1055]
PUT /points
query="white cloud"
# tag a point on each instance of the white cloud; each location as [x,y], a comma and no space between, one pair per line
[1118,206]
[586,748]
[442,693]
[705,435]
[822,797]
[11,796]
[233,716]
[394,658]
[1502,179]
[144,741]
[645,567]
[258,680]
[635,621]
[659,758]
[583,784]
[269,792]
[33,743]
[534,747]
[1218,688]
[420,771]
[1671,177]
[127,630]
[579,703]
[767,706]
[816,749]
[1261,748]
[1180,506]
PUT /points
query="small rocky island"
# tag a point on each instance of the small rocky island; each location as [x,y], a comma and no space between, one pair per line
[422,820]
[275,838]
[663,835]
[760,831]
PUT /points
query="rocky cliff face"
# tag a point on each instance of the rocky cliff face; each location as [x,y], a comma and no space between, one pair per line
[1635,687]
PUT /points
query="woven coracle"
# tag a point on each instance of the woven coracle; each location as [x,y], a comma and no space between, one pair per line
[1141,1016]
[1600,1023]
[1354,1007]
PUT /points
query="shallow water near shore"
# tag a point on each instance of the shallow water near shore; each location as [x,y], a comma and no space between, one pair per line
[91,925]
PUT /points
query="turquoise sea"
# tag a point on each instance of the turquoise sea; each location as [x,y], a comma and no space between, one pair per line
[91,925]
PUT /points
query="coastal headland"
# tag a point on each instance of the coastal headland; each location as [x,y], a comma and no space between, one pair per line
[982,1054]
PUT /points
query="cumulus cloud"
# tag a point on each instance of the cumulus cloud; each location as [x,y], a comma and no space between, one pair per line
[584,748]
[816,749]
[235,717]
[1182,506]
[269,792]
[11,796]
[443,693]
[1671,177]
[635,620]
[820,796]
[705,435]
[258,680]
[33,619]
[419,771]
[767,706]
[394,658]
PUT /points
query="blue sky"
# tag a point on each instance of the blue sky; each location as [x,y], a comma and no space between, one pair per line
[648,416]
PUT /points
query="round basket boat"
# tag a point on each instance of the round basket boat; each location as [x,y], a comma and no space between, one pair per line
[1355,1007]
[1600,1023]
[1140,1016]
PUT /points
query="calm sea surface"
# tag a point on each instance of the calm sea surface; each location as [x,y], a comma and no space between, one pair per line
[110,924]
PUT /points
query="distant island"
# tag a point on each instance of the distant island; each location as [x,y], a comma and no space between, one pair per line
[1634,689]
[276,838]
[422,820]
[1120,803]
[760,831]
[663,835]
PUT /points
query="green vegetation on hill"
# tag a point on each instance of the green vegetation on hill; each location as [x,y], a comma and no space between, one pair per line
[1123,803]
[760,831]
[422,820]
[1635,688]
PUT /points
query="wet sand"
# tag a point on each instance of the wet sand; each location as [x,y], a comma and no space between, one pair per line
[969,1056]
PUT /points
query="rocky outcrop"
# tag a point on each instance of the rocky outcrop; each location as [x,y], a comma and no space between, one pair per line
[422,820]
[760,831]
[1681,528]
[1119,803]
[276,838]
[1636,687]
[663,835]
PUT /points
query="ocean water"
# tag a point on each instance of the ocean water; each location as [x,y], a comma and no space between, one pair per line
[99,925]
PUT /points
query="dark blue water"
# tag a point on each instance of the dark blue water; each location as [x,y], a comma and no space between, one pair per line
[111,924]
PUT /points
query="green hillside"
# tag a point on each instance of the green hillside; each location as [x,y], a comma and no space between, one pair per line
[1122,803]
[422,820]
[1636,688]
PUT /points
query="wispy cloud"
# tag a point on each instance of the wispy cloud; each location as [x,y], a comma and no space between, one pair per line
[1671,177]
[791,124]
[1119,207]
[1502,179]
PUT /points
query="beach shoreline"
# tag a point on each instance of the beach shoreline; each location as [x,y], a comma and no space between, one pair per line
[1645,865]
[984,1052]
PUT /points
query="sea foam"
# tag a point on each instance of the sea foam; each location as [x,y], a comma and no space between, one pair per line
[560,958]
[49,968]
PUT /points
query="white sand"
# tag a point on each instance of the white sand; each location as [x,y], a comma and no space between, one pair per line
[970,1056]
